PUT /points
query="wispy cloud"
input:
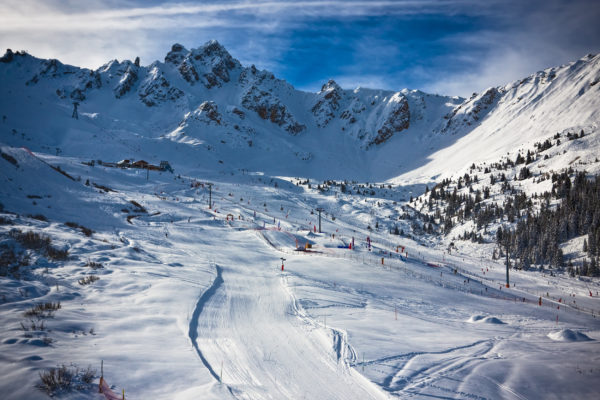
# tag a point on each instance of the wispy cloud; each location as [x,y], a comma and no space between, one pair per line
[453,47]
[42,15]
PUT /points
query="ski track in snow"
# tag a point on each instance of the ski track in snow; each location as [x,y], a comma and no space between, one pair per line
[193,330]
[265,340]
[504,388]
[457,359]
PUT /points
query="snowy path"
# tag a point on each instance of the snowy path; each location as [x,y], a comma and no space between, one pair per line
[252,325]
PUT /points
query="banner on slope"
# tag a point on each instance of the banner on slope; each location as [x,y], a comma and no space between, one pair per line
[108,394]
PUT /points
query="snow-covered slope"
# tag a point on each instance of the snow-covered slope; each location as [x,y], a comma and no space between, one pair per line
[515,116]
[182,300]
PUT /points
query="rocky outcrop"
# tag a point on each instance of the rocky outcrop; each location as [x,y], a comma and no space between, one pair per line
[156,89]
[472,110]
[219,62]
[239,113]
[397,120]
[254,76]
[7,57]
[176,55]
[269,107]
[328,103]
[210,64]
[127,81]
[208,112]
[188,71]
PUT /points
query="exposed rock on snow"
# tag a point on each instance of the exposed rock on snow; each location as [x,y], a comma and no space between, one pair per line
[328,102]
[397,120]
[211,63]
[208,112]
[364,122]
[269,107]
[473,110]
[127,81]
[176,55]
[156,89]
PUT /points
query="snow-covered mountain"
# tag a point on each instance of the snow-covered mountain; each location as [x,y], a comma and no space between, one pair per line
[225,116]
[515,116]
[205,99]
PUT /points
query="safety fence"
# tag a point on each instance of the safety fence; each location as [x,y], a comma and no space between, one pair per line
[396,262]
[400,262]
[541,299]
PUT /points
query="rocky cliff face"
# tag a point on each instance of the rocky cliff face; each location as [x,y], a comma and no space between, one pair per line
[328,103]
[473,110]
[397,119]
[210,64]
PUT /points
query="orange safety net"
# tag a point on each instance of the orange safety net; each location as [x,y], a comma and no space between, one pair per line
[105,390]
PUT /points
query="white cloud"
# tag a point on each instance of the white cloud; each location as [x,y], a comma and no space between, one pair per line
[363,81]
[497,70]
[89,33]
[39,15]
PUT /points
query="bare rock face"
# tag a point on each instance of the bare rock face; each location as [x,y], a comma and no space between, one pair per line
[472,110]
[176,55]
[217,59]
[188,71]
[483,102]
[210,64]
[127,81]
[71,81]
[7,57]
[239,113]
[156,89]
[328,103]
[398,119]
[255,76]
[269,107]
[208,112]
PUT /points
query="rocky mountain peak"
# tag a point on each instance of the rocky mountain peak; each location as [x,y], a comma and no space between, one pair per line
[8,56]
[330,85]
[213,54]
[176,55]
[328,102]
[209,64]
[214,48]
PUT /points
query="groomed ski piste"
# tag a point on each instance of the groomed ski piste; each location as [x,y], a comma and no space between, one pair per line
[193,302]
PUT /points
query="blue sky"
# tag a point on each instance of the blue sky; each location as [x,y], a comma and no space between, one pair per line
[440,46]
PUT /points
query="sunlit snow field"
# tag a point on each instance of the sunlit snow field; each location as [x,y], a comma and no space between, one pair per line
[193,302]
